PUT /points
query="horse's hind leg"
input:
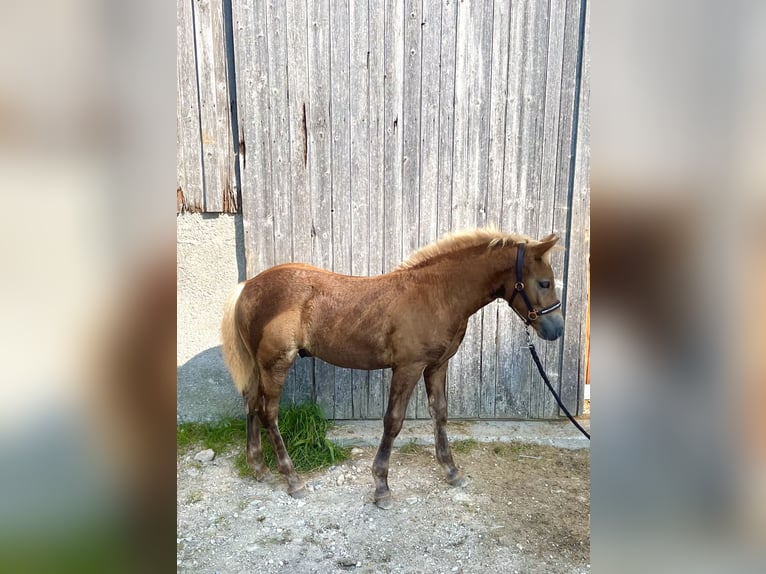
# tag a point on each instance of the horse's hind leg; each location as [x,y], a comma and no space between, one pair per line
[254,451]
[272,381]
[402,383]
[435,379]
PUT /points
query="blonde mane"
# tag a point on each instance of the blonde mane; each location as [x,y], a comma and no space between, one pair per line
[458,240]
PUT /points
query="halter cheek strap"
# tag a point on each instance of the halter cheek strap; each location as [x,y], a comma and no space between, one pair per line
[518,289]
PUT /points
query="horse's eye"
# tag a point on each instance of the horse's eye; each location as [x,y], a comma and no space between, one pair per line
[544,284]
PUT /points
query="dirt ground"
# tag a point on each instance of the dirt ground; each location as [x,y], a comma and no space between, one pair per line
[525,509]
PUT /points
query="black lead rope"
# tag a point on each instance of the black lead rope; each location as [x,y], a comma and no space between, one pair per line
[533,351]
[532,316]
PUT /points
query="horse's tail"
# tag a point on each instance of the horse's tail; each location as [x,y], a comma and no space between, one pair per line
[236,354]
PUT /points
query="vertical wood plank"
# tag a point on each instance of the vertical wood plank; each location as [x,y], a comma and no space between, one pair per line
[359,171]
[494,195]
[564,61]
[410,128]
[320,178]
[252,74]
[340,150]
[392,160]
[376,109]
[512,389]
[472,86]
[393,78]
[428,111]
[300,200]
[551,183]
[447,54]
[215,119]
[575,343]
[188,142]
[279,129]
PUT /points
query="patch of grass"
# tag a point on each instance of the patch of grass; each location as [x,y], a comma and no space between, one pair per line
[410,448]
[217,436]
[511,448]
[303,428]
[463,446]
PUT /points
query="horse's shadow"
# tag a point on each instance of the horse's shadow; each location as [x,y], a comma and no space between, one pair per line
[204,389]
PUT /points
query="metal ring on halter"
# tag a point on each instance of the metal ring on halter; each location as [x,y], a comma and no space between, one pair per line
[532,315]
[519,286]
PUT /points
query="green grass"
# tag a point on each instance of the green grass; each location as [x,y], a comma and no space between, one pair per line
[303,428]
[512,448]
[410,448]
[463,446]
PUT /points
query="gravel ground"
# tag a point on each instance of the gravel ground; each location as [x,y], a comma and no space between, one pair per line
[525,509]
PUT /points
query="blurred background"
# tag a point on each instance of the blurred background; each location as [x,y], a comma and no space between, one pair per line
[678,263]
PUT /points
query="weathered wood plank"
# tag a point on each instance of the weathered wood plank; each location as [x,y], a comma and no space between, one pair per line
[252,75]
[375,56]
[494,194]
[474,44]
[340,150]
[320,174]
[359,171]
[393,78]
[576,288]
[300,201]
[279,129]
[447,55]
[562,69]
[392,159]
[410,129]
[428,165]
[188,143]
[512,389]
[214,101]
[550,182]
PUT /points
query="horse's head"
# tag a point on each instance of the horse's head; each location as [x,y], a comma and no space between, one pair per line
[531,291]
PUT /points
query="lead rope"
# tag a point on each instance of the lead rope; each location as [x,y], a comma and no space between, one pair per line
[533,351]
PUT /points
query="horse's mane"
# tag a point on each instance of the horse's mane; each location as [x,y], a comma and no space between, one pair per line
[458,240]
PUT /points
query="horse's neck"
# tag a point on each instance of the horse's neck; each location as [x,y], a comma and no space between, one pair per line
[469,285]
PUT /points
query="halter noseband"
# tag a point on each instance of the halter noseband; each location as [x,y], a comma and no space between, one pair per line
[518,289]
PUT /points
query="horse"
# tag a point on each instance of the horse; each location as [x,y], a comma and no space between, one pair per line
[411,320]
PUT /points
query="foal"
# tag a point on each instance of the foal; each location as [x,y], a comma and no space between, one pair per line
[411,320]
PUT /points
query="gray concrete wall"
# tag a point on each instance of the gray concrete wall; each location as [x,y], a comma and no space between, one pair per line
[210,262]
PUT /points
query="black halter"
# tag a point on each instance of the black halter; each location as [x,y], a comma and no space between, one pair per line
[518,289]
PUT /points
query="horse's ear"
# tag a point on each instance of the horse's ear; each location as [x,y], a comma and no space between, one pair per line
[546,244]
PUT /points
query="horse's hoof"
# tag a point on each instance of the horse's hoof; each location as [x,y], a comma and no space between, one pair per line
[299,492]
[384,502]
[459,480]
[260,476]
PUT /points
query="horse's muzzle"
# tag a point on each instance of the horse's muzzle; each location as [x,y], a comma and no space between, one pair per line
[550,327]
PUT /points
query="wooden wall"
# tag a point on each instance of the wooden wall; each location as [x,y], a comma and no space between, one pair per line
[368,129]
[205,136]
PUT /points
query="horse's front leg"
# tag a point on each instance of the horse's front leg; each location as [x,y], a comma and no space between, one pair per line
[435,379]
[403,381]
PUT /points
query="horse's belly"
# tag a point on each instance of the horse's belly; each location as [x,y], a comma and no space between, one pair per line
[350,359]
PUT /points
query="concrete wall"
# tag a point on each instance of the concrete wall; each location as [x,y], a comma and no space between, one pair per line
[210,262]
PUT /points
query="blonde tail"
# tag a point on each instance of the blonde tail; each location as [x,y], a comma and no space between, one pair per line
[235,353]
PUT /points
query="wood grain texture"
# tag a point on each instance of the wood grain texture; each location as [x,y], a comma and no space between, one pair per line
[359,179]
[300,198]
[218,154]
[341,207]
[369,129]
[190,191]
[252,76]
